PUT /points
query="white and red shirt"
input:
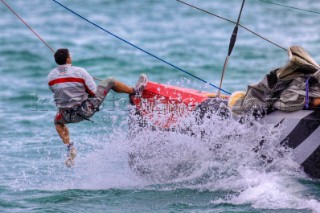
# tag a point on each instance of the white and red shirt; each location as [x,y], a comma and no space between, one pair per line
[71,85]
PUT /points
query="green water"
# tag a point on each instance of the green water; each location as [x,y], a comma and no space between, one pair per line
[33,175]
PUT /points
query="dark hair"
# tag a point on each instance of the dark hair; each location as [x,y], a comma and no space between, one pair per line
[61,56]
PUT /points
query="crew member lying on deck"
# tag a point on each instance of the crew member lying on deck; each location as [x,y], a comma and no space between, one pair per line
[287,88]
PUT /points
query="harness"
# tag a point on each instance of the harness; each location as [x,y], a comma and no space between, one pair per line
[84,111]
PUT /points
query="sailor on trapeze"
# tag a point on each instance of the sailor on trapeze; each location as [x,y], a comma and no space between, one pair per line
[78,97]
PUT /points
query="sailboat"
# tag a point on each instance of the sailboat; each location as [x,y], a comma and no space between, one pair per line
[164,105]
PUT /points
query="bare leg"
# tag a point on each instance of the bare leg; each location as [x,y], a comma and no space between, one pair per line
[63,132]
[122,88]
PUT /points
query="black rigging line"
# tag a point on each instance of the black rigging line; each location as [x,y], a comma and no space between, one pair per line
[231,45]
[240,25]
[288,6]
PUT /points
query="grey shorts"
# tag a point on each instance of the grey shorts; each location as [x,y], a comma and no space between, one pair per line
[88,107]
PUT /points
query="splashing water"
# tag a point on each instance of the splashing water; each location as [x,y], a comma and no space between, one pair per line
[245,163]
[244,160]
[211,150]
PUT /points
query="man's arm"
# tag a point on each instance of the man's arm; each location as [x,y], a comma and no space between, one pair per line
[49,79]
[90,85]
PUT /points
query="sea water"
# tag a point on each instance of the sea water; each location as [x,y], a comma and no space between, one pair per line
[213,170]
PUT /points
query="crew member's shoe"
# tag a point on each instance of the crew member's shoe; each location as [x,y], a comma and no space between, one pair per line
[72,153]
[141,84]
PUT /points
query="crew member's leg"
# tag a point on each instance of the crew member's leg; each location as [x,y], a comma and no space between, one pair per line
[122,88]
[61,128]
[63,132]
[117,86]
[111,83]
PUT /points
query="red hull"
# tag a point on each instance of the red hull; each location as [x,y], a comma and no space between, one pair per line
[164,105]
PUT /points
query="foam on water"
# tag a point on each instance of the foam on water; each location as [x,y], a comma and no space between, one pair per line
[272,191]
[215,155]
[220,156]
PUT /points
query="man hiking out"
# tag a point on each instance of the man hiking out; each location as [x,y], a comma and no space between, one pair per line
[78,97]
